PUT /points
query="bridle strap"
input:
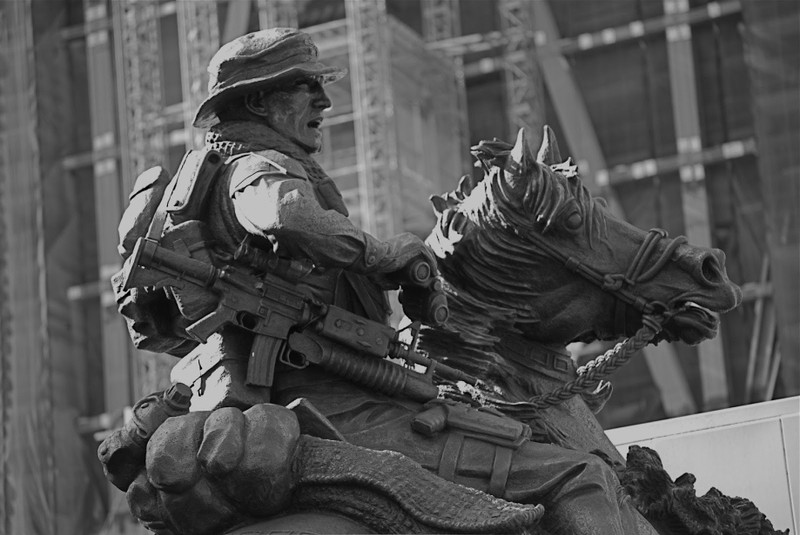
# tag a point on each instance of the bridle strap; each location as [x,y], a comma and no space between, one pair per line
[654,315]
[634,274]
[618,283]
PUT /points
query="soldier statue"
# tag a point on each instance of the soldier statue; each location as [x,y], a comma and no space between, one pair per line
[267,206]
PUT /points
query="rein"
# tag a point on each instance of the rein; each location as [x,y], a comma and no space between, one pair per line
[655,314]
[615,283]
[590,375]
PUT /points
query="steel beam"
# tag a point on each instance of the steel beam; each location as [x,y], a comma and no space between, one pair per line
[680,57]
[523,82]
[730,150]
[197,23]
[482,42]
[142,133]
[109,196]
[574,116]
[142,128]
[442,20]
[568,101]
[27,462]
[368,32]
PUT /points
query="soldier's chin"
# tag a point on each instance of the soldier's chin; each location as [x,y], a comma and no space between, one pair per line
[691,325]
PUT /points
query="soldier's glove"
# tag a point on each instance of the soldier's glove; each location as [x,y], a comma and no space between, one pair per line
[206,472]
[397,260]
[427,304]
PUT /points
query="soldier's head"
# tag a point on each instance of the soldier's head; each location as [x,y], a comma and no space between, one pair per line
[274,77]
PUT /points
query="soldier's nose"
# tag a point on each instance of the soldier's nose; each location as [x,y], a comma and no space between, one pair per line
[322,101]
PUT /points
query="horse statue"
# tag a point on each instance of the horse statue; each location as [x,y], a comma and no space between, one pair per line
[529,262]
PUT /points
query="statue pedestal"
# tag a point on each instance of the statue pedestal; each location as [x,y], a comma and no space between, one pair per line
[751,451]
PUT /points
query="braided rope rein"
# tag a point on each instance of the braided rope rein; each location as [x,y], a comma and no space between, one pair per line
[590,374]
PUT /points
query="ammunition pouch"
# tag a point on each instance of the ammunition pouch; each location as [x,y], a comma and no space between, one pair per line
[481,423]
[461,421]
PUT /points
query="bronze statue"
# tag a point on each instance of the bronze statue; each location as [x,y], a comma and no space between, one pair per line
[246,266]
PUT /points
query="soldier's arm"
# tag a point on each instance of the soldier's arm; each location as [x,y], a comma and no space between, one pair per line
[274,203]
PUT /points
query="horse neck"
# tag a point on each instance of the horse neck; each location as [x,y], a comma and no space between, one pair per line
[481,339]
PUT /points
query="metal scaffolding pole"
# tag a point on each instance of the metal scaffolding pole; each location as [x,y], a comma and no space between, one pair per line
[27,463]
[197,23]
[441,20]
[523,84]
[109,195]
[662,360]
[142,132]
[680,57]
[368,48]
[137,31]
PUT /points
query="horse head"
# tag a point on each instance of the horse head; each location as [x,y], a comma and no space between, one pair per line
[550,262]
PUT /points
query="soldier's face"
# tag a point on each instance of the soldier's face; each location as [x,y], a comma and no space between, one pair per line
[295,111]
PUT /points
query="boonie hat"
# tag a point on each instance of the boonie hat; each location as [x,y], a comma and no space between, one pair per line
[258,59]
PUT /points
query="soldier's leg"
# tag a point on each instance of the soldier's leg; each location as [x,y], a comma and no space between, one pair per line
[580,492]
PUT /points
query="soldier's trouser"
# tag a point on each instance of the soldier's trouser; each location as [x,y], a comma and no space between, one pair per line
[580,492]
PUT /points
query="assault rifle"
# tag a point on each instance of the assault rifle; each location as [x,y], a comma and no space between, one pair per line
[290,325]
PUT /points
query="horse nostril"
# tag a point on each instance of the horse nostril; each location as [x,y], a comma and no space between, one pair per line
[710,272]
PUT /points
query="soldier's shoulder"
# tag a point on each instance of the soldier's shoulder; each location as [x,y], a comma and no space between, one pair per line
[266,161]
[243,169]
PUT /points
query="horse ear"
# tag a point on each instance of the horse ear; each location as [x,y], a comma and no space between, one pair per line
[466,185]
[520,161]
[548,152]
[439,204]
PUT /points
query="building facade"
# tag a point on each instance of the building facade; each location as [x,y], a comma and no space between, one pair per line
[683,114]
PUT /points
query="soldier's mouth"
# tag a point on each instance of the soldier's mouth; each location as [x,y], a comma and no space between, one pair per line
[314,123]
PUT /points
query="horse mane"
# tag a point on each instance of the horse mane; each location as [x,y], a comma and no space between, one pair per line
[550,190]
[487,260]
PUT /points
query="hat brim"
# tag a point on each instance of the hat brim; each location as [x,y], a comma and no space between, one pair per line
[206,113]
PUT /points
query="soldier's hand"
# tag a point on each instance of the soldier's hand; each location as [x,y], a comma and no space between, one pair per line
[404,259]
[206,472]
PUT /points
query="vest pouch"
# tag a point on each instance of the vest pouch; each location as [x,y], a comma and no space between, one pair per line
[191,238]
[143,205]
[192,184]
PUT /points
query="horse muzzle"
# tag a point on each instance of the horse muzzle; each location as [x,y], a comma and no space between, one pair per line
[690,323]
[714,290]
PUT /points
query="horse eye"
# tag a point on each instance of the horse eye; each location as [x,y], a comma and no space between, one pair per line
[574,221]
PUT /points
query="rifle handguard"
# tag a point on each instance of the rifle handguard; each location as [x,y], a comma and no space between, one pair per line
[370,372]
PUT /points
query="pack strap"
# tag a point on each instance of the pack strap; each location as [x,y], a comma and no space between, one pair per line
[188,177]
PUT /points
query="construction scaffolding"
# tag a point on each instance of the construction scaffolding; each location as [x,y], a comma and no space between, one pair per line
[671,114]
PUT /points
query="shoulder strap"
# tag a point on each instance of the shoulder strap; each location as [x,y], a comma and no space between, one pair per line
[286,164]
[250,166]
[156,227]
[185,194]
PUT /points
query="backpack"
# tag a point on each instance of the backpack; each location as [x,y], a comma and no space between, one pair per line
[167,210]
